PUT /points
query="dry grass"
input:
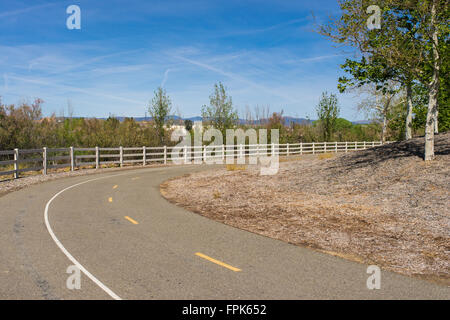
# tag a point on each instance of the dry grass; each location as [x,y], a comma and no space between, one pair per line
[291,158]
[381,206]
[323,156]
[235,167]
[216,194]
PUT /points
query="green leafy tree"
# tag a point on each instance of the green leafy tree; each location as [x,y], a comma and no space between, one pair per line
[412,38]
[327,113]
[160,109]
[380,78]
[220,113]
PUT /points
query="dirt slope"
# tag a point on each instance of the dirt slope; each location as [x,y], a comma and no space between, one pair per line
[382,206]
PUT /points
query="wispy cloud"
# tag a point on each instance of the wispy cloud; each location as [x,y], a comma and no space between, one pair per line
[5,82]
[79,90]
[238,78]
[314,59]
[183,46]
[264,29]
[166,76]
[25,10]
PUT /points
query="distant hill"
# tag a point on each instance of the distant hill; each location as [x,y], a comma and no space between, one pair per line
[362,122]
[287,120]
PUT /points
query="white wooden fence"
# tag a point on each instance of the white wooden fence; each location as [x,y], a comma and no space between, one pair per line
[48,158]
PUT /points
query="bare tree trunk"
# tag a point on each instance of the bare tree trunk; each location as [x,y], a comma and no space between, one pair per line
[436,115]
[430,125]
[433,91]
[409,104]
[383,129]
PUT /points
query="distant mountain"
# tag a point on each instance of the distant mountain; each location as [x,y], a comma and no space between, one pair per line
[193,119]
[138,119]
[287,120]
[362,122]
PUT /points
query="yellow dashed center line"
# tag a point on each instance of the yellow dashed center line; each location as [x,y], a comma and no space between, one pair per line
[115,187]
[131,220]
[110,199]
[220,263]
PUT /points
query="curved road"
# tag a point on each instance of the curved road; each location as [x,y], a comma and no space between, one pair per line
[133,244]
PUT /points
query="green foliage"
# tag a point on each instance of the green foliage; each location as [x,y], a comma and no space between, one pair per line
[397,121]
[160,109]
[328,112]
[444,92]
[375,71]
[22,127]
[421,106]
[276,121]
[220,114]
[342,124]
[401,50]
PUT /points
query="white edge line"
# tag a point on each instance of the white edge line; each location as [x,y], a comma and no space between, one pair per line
[64,250]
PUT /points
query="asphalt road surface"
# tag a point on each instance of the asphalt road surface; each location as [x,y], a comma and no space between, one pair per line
[130,243]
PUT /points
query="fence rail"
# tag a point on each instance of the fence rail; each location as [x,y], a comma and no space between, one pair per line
[51,158]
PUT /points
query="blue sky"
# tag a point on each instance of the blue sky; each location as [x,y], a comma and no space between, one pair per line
[265,53]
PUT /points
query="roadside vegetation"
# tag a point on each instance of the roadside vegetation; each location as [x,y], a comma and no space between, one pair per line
[23,126]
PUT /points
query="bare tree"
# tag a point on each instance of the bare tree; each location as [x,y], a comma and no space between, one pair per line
[248,115]
[378,103]
[69,108]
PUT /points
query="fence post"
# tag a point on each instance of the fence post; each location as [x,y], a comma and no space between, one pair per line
[346,146]
[72,159]
[241,154]
[364,145]
[356,145]
[325,147]
[313,151]
[44,161]
[144,156]
[97,158]
[165,154]
[301,147]
[273,149]
[121,156]
[335,147]
[373,143]
[16,163]
[223,152]
[287,149]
